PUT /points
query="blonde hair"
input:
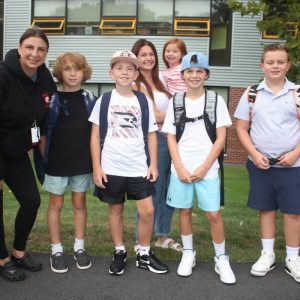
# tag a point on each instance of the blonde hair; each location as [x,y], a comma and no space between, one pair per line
[180,45]
[75,59]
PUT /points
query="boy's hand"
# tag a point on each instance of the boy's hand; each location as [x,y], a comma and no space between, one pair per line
[152,174]
[260,161]
[288,159]
[99,178]
[184,175]
[199,173]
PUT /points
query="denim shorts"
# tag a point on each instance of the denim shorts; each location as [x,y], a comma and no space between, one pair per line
[117,187]
[275,188]
[59,184]
[181,194]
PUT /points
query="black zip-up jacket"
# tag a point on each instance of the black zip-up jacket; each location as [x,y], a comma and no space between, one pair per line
[22,101]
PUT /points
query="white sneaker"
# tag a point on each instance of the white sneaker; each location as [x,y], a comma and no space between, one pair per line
[265,263]
[187,263]
[222,267]
[292,267]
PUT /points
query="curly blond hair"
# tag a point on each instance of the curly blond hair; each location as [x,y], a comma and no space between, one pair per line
[75,59]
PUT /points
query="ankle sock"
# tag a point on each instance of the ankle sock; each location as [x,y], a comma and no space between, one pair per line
[268,245]
[56,248]
[144,250]
[219,248]
[187,242]
[120,248]
[78,244]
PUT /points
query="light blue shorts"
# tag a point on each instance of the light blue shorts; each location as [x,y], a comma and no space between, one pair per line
[181,194]
[59,184]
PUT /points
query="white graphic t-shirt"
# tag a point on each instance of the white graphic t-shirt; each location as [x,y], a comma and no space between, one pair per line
[123,152]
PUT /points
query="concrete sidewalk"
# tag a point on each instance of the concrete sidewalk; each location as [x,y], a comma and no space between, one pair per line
[135,283]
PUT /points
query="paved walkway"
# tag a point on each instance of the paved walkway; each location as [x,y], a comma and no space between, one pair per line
[96,283]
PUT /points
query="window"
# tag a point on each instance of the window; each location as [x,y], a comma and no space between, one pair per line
[192,8]
[155,17]
[119,8]
[192,26]
[83,17]
[203,18]
[114,25]
[220,38]
[50,25]
[53,8]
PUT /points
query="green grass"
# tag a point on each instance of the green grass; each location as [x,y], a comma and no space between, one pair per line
[241,225]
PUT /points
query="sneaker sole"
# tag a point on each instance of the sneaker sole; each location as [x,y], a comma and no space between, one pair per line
[58,271]
[287,270]
[147,267]
[114,273]
[82,267]
[186,275]
[261,274]
[225,282]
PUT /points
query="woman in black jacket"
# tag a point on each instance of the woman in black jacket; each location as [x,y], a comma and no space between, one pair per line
[26,86]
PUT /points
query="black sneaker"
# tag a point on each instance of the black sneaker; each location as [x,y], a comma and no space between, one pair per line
[118,263]
[27,262]
[151,263]
[58,263]
[83,262]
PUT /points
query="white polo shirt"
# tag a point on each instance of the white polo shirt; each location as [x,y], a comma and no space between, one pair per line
[275,127]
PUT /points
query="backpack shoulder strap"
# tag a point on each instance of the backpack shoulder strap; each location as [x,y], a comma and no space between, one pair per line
[145,113]
[296,94]
[210,114]
[179,113]
[145,120]
[103,116]
[89,100]
[252,94]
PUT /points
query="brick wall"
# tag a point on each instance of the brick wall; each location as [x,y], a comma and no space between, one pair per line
[235,152]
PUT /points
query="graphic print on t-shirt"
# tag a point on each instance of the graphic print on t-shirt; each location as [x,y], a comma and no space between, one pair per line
[125,121]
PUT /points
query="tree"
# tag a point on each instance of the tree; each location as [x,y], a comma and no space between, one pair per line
[280,17]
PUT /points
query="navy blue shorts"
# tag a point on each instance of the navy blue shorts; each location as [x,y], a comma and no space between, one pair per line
[275,188]
[117,187]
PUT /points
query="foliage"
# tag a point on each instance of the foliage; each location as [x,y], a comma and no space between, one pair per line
[280,16]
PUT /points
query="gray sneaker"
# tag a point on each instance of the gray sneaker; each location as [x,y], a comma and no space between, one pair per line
[83,262]
[58,263]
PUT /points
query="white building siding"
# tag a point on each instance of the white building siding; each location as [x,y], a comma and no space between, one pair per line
[246,47]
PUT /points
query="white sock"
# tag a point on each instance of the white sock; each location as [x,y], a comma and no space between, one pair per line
[219,248]
[292,252]
[56,248]
[78,245]
[120,248]
[144,250]
[187,242]
[268,245]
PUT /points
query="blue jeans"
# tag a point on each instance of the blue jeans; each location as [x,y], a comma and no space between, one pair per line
[163,213]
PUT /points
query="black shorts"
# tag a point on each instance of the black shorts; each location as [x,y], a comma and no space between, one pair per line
[117,187]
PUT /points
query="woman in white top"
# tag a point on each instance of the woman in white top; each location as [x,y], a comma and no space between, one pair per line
[150,84]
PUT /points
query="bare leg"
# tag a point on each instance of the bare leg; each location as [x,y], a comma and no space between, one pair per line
[116,223]
[146,213]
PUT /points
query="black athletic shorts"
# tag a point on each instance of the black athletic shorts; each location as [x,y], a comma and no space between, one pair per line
[117,187]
